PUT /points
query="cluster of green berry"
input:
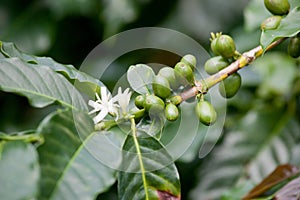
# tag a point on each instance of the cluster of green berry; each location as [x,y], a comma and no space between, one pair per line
[165,84]
[169,81]
[225,52]
[279,9]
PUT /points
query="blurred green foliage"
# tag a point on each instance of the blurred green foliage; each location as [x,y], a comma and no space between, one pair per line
[260,121]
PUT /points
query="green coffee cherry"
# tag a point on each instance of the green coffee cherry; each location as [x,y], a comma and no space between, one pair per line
[138,113]
[206,113]
[190,60]
[225,46]
[294,47]
[277,7]
[271,23]
[215,64]
[161,87]
[176,100]
[139,101]
[230,85]
[169,74]
[214,47]
[171,112]
[184,73]
[154,104]
[213,42]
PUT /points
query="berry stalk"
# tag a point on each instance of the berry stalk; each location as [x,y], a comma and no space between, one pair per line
[202,86]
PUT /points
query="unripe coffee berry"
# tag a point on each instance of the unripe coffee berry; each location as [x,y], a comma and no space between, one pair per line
[271,23]
[171,112]
[225,46]
[161,87]
[169,74]
[213,42]
[230,85]
[294,47]
[277,7]
[176,100]
[215,64]
[139,101]
[190,60]
[138,113]
[154,104]
[184,73]
[206,113]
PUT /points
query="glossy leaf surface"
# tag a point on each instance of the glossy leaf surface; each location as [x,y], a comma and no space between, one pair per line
[69,170]
[19,170]
[82,80]
[140,78]
[41,85]
[289,26]
[262,141]
[150,172]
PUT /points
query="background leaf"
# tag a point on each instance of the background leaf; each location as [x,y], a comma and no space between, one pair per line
[270,70]
[289,191]
[278,176]
[19,170]
[85,82]
[254,14]
[140,78]
[161,176]
[262,141]
[70,7]
[69,170]
[153,126]
[41,85]
[289,26]
[35,37]
[117,13]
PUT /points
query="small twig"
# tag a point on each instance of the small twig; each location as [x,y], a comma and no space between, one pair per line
[202,86]
[26,138]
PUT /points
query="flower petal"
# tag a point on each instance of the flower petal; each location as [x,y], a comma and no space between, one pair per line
[97,96]
[100,116]
[104,97]
[93,104]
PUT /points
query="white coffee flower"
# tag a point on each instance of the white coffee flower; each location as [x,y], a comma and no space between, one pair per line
[123,99]
[104,105]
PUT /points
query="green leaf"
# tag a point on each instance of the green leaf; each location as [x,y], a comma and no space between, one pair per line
[237,192]
[85,82]
[69,169]
[289,26]
[294,3]
[41,85]
[140,78]
[187,138]
[263,140]
[153,126]
[148,171]
[184,137]
[19,170]
[270,70]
